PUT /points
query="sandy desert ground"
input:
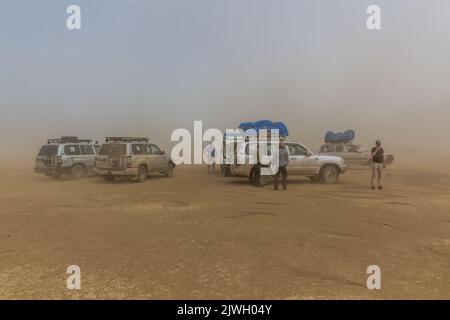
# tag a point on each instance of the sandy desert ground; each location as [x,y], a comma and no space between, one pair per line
[199,237]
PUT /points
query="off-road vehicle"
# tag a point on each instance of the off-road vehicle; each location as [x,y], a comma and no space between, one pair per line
[133,157]
[301,162]
[68,156]
[352,153]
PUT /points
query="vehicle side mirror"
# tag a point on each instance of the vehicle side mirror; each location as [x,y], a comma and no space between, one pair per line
[309,154]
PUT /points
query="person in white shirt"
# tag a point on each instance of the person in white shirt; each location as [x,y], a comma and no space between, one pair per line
[210,154]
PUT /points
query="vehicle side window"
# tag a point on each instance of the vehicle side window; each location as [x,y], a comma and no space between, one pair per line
[155,149]
[72,150]
[251,149]
[297,150]
[147,149]
[137,149]
[87,150]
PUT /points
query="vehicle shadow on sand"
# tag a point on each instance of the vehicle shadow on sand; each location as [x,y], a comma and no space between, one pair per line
[294,181]
[128,180]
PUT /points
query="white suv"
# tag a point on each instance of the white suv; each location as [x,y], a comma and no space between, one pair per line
[131,157]
[301,162]
[67,156]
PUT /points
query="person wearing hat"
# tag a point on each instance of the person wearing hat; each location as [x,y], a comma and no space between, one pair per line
[377,157]
[282,166]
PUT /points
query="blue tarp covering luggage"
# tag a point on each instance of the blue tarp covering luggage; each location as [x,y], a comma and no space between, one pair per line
[339,137]
[265,124]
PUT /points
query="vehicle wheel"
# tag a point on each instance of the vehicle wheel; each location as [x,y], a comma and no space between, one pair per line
[329,174]
[108,178]
[77,172]
[315,178]
[226,171]
[264,179]
[142,174]
[169,170]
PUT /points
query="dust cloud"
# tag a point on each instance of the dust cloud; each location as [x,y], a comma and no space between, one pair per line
[296,62]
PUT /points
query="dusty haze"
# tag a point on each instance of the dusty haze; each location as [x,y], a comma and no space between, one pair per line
[148,67]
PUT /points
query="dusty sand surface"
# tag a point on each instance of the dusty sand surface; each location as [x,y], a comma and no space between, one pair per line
[199,237]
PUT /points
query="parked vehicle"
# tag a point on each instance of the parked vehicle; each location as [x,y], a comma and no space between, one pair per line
[351,153]
[131,157]
[302,162]
[68,156]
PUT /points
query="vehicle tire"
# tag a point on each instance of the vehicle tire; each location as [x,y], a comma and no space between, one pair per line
[226,171]
[315,178]
[169,170]
[77,172]
[108,178]
[264,179]
[141,174]
[329,174]
[252,176]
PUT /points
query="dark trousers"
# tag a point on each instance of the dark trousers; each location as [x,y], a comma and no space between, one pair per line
[257,177]
[283,172]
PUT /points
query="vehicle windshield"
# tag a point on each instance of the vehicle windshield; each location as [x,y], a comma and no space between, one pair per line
[48,150]
[118,149]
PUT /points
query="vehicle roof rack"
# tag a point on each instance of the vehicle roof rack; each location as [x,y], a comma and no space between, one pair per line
[126,139]
[69,139]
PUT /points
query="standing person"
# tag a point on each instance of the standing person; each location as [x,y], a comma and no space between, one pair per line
[377,157]
[282,166]
[210,153]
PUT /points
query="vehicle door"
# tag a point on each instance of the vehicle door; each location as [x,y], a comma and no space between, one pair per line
[354,155]
[303,160]
[47,156]
[160,157]
[72,155]
[139,156]
[88,155]
[296,157]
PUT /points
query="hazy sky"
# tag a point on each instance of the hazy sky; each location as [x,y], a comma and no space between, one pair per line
[144,68]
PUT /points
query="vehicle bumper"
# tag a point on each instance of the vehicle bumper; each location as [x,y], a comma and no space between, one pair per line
[116,172]
[51,170]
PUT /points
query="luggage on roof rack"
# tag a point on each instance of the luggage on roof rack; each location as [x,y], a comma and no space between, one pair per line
[339,137]
[265,125]
[127,139]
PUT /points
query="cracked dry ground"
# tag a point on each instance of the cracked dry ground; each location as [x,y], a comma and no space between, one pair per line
[199,237]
